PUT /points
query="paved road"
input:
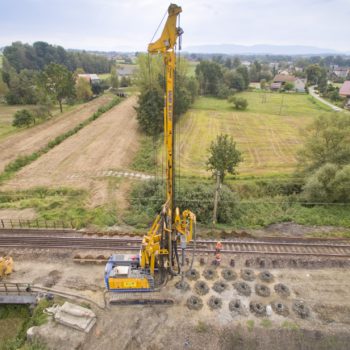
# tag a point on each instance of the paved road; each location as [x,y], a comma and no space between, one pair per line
[313,94]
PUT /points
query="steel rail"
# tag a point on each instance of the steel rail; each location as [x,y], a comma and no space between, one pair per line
[203,246]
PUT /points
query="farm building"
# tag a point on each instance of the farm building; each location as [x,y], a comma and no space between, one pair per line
[126,71]
[281,79]
[93,79]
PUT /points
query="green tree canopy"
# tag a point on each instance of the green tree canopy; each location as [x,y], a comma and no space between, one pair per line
[209,75]
[58,82]
[328,184]
[150,110]
[327,140]
[238,102]
[114,78]
[223,156]
[83,89]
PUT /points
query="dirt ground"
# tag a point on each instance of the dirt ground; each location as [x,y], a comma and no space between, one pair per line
[324,291]
[85,159]
[25,214]
[30,140]
[107,143]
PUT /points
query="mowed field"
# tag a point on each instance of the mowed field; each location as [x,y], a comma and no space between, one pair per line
[108,143]
[14,143]
[267,133]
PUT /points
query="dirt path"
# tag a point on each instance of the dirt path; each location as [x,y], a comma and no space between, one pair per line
[109,143]
[30,140]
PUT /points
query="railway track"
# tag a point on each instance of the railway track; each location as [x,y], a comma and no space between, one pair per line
[237,246]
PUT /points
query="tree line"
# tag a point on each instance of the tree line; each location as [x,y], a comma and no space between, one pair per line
[37,56]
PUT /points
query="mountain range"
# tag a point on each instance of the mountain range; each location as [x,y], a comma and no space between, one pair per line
[233,49]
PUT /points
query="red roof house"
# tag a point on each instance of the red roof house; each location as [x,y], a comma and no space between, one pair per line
[345,89]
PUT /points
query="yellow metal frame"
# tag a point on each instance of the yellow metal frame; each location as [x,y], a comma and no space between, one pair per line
[170,223]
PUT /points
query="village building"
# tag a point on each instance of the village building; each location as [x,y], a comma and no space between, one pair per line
[281,79]
[344,91]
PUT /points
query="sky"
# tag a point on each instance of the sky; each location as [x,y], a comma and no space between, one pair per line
[128,25]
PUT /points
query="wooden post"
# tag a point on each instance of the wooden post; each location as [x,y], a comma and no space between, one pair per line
[216,198]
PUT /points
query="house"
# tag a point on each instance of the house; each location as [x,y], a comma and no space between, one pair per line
[281,79]
[341,72]
[345,92]
[93,79]
[126,71]
[299,85]
[345,89]
[275,86]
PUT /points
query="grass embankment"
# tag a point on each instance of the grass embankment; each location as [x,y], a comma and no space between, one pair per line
[67,207]
[15,320]
[22,161]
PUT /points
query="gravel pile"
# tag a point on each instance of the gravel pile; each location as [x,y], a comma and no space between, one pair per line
[262,290]
[194,303]
[201,288]
[220,286]
[282,290]
[242,288]
[228,274]
[248,275]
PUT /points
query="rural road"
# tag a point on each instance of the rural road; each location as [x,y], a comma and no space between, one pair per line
[313,94]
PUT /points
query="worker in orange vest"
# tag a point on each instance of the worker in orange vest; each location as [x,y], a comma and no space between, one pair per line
[218,247]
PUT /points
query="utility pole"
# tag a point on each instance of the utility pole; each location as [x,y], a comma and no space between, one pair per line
[216,197]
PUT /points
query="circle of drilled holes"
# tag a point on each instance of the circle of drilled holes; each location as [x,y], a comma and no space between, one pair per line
[192,275]
[282,290]
[248,275]
[220,286]
[259,309]
[228,274]
[201,288]
[262,290]
[280,308]
[214,303]
[266,276]
[236,306]
[300,308]
[194,303]
[242,288]
[182,285]
[209,273]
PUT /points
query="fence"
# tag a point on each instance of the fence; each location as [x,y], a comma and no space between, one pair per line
[36,223]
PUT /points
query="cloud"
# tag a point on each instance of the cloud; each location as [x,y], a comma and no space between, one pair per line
[112,24]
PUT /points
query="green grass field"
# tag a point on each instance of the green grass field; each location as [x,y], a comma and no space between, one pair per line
[267,133]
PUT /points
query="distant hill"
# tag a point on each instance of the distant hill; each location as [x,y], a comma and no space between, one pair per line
[233,49]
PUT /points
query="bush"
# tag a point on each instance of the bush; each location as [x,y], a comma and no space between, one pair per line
[239,102]
[22,118]
[147,198]
[328,184]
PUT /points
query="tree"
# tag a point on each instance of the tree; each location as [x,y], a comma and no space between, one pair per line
[150,110]
[224,156]
[243,71]
[83,89]
[239,102]
[234,80]
[209,75]
[22,118]
[327,140]
[288,86]
[313,73]
[58,82]
[329,184]
[114,78]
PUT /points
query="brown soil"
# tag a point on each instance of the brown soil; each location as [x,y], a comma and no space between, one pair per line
[31,140]
[109,143]
[325,292]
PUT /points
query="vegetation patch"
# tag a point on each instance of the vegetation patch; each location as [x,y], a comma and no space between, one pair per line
[63,205]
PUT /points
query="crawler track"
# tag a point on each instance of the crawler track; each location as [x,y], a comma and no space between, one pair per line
[269,246]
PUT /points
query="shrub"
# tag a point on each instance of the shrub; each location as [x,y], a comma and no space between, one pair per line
[147,199]
[239,102]
[22,118]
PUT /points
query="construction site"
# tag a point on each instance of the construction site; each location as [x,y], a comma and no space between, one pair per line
[176,284]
